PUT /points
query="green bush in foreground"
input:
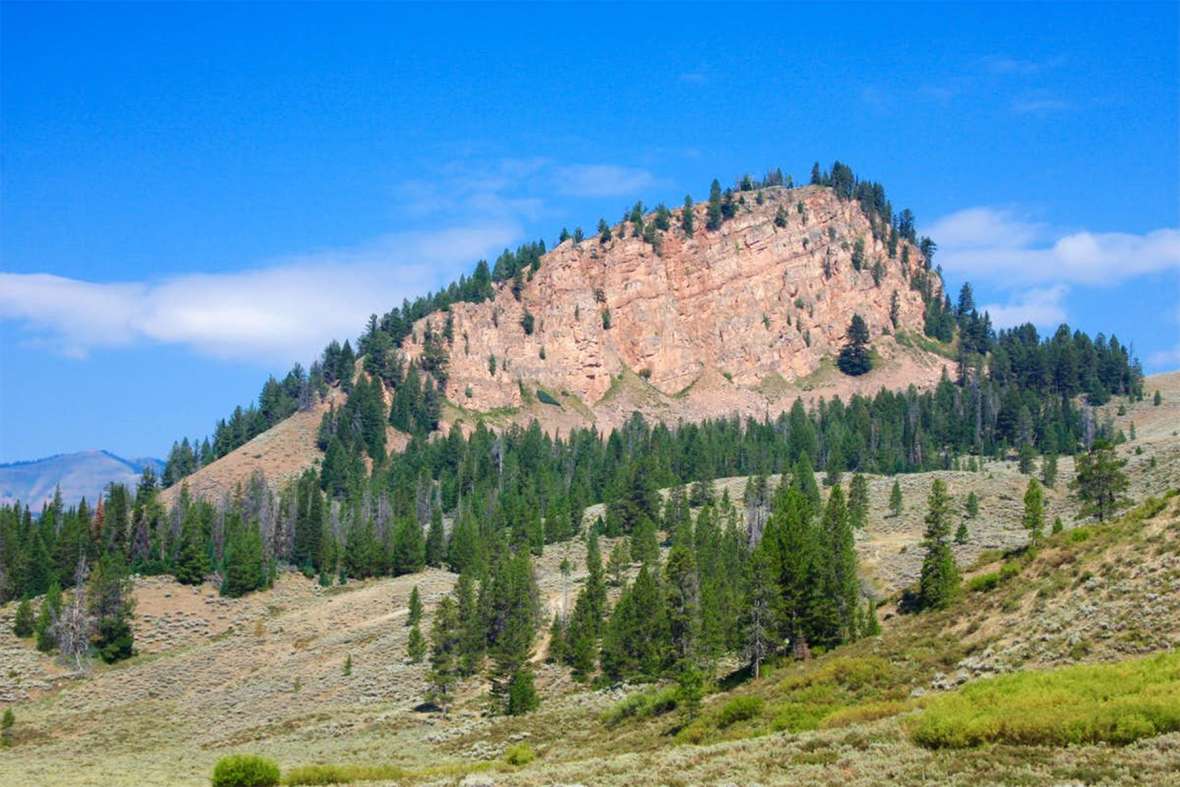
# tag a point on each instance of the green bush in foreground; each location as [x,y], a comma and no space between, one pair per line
[1101,703]
[245,770]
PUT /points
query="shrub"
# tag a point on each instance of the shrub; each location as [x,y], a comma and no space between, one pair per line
[343,774]
[519,754]
[22,622]
[245,770]
[1114,703]
[738,709]
[860,714]
[545,397]
[1009,570]
[648,703]
[984,582]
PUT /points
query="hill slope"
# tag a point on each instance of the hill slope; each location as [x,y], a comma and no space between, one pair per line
[280,453]
[81,474]
[266,673]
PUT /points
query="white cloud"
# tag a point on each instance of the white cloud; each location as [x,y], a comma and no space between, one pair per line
[984,228]
[996,245]
[1042,307]
[601,180]
[286,310]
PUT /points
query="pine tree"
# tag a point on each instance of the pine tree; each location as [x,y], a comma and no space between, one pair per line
[713,214]
[1057,525]
[415,613]
[6,725]
[690,689]
[1157,399]
[243,559]
[581,636]
[872,625]
[854,359]
[841,589]
[793,544]
[192,558]
[1099,483]
[1026,458]
[834,466]
[645,546]
[1034,511]
[971,507]
[635,643]
[759,609]
[110,599]
[415,645]
[50,611]
[22,622]
[595,583]
[686,224]
[961,534]
[472,641]
[940,576]
[409,549]
[895,499]
[522,694]
[556,652]
[1049,470]
[803,479]
[436,544]
[684,603]
[619,562]
[858,502]
[513,616]
[445,641]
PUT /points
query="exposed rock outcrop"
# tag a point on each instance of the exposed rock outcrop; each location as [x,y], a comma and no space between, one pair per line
[755,304]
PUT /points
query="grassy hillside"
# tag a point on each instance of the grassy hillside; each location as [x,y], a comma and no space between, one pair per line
[267,673]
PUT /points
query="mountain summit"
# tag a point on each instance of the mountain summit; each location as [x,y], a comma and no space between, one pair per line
[712,322]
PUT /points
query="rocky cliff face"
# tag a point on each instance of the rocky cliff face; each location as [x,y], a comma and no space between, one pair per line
[752,303]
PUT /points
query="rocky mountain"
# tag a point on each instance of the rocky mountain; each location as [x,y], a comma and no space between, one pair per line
[742,319]
[81,474]
[735,319]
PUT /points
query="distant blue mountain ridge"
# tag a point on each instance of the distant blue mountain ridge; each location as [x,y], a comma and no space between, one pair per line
[82,474]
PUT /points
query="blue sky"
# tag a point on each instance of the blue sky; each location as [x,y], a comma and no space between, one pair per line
[196,196]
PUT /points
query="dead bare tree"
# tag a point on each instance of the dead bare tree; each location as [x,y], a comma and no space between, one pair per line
[73,625]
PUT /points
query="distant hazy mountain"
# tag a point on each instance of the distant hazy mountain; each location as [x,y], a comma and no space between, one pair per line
[84,474]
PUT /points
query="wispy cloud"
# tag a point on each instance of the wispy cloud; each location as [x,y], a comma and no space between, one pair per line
[602,180]
[697,76]
[1042,307]
[1039,105]
[285,310]
[1008,65]
[999,245]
